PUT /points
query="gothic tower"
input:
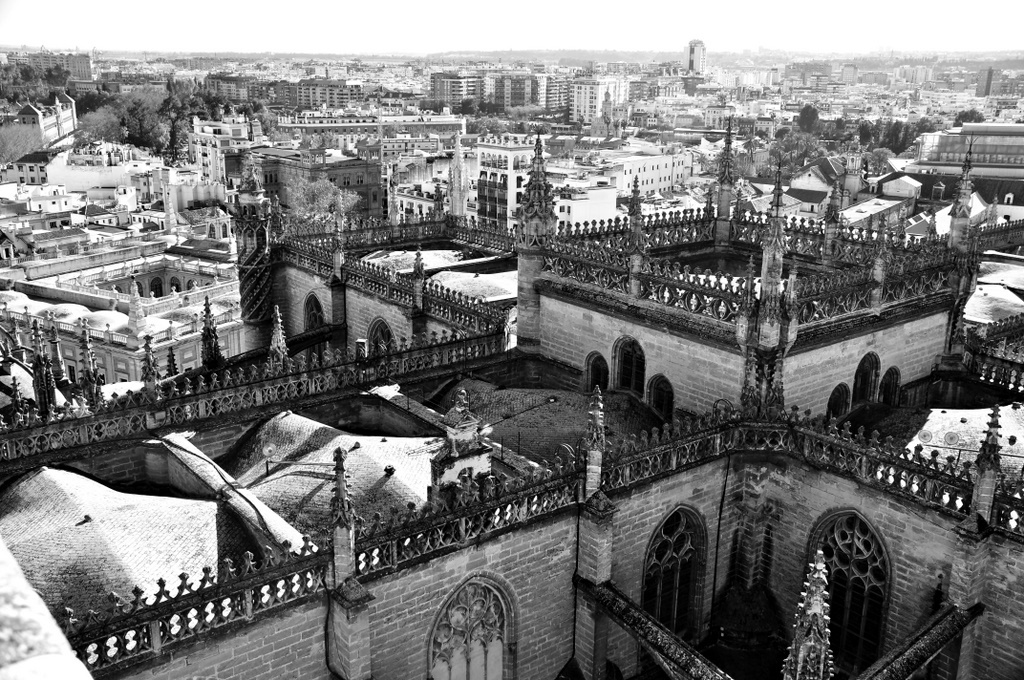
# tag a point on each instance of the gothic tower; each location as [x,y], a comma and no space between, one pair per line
[726,188]
[255,220]
[536,218]
[458,182]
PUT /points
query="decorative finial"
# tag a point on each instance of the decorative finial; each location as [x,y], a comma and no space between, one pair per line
[810,657]
[595,422]
[988,457]
[725,164]
[278,344]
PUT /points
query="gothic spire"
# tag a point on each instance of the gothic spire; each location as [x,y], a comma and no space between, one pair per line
[636,216]
[810,657]
[539,202]
[595,420]
[777,191]
[150,370]
[988,456]
[212,355]
[725,163]
[89,376]
[835,201]
[278,344]
[172,363]
[964,188]
[251,182]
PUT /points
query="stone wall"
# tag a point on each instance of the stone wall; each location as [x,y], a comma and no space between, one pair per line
[640,511]
[533,564]
[364,308]
[285,646]
[291,287]
[699,373]
[911,347]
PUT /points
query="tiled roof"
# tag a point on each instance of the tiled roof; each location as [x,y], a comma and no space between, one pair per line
[526,421]
[77,540]
[55,234]
[302,493]
[807,195]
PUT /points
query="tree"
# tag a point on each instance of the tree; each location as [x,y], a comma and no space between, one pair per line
[865,133]
[18,140]
[969,116]
[781,133]
[877,159]
[808,118]
[469,107]
[320,198]
[92,100]
[103,125]
[141,120]
[56,76]
[177,110]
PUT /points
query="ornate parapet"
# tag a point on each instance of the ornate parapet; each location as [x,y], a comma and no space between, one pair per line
[713,294]
[222,393]
[603,263]
[467,515]
[132,630]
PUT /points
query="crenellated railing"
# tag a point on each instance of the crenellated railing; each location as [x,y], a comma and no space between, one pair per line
[465,515]
[821,297]
[233,391]
[880,464]
[381,281]
[602,263]
[148,624]
[1001,234]
[712,294]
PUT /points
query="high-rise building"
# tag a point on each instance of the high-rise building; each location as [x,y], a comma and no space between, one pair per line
[698,57]
[849,74]
[452,88]
[586,96]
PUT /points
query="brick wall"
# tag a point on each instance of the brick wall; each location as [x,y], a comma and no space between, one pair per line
[640,511]
[919,543]
[536,563]
[217,441]
[286,646]
[699,374]
[999,653]
[364,308]
[811,376]
[291,287]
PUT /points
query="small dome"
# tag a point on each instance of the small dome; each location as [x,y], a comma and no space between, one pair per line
[13,298]
[117,321]
[69,313]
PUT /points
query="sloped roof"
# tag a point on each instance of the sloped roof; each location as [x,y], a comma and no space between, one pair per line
[807,195]
[77,540]
[301,492]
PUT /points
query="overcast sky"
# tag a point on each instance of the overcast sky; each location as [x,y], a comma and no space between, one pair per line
[407,27]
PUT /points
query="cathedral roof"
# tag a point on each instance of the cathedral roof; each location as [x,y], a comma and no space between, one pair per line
[301,480]
[77,539]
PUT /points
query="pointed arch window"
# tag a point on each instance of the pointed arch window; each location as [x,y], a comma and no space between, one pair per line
[632,366]
[470,635]
[381,339]
[313,314]
[858,583]
[662,399]
[670,568]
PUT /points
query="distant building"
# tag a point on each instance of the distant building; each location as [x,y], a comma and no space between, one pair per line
[53,122]
[314,93]
[586,96]
[504,164]
[79,65]
[849,74]
[452,88]
[209,138]
[278,166]
[997,150]
[519,89]
[698,57]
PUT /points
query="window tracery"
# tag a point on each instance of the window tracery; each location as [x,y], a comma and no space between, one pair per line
[469,636]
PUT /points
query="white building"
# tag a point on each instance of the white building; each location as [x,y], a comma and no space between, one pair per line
[586,96]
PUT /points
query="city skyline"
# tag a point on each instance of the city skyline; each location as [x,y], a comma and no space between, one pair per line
[409,30]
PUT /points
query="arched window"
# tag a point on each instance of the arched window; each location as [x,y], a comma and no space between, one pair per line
[192,284]
[175,284]
[597,373]
[889,388]
[156,287]
[469,635]
[661,397]
[313,314]
[631,367]
[838,402]
[1008,199]
[671,567]
[858,582]
[866,379]
[380,338]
